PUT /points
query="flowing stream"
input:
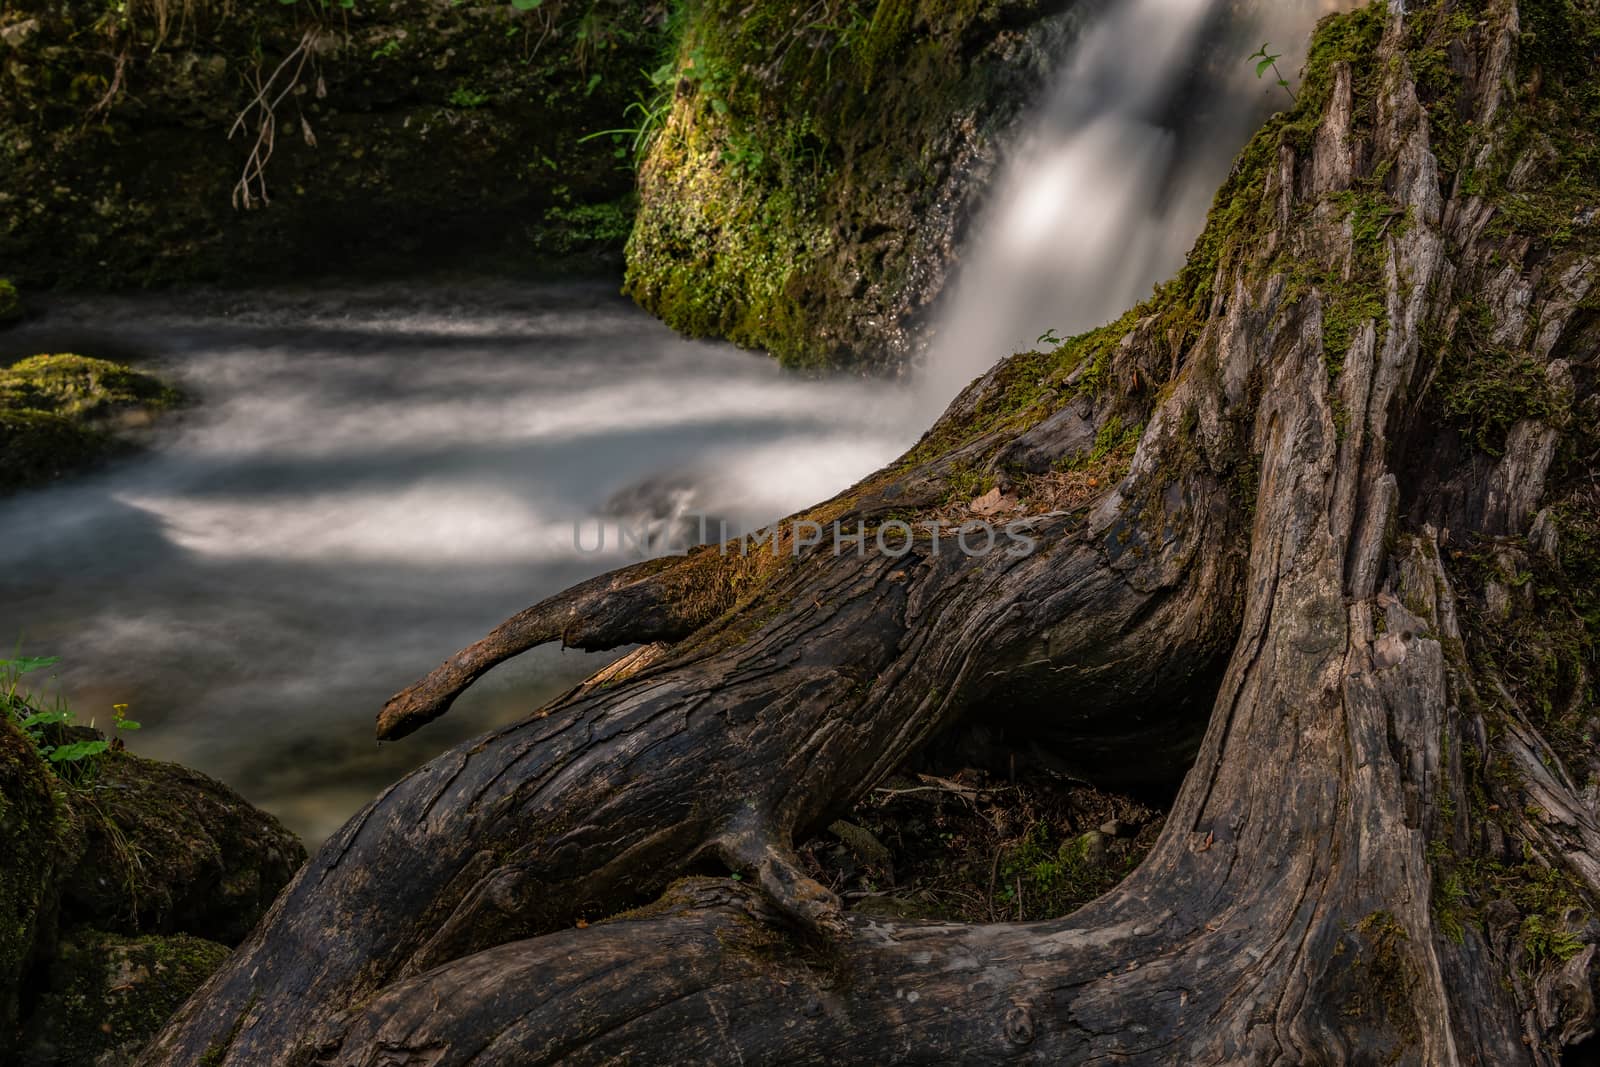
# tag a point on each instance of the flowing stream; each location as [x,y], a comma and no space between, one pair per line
[374,476]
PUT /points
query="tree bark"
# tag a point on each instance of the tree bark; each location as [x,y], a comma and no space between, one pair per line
[1381,852]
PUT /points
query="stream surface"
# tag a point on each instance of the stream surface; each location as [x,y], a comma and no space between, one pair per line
[374,477]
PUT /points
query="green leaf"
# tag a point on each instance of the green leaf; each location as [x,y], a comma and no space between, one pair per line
[78,750]
[527,5]
[44,718]
[1261,67]
[128,724]
[719,105]
[25,664]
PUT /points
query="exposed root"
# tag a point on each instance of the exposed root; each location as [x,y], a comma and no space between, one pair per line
[261,112]
[657,600]
[119,77]
[165,12]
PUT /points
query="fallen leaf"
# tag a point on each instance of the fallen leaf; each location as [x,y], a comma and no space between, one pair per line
[988,503]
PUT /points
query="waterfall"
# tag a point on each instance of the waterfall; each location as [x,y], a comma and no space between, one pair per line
[1109,186]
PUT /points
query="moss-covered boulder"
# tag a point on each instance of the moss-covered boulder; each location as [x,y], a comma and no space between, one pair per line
[122,883]
[80,387]
[816,164]
[105,995]
[171,850]
[408,131]
[11,308]
[62,413]
[29,859]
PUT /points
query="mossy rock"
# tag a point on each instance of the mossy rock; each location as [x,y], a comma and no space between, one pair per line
[80,387]
[777,207]
[11,308]
[121,887]
[170,850]
[35,840]
[106,995]
[36,447]
[57,414]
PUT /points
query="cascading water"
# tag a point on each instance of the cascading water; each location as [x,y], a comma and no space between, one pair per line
[1109,187]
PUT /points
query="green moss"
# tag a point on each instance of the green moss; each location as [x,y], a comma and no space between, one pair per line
[57,413]
[967,481]
[1554,117]
[80,387]
[106,995]
[1489,390]
[10,302]
[1542,900]
[1241,211]
[885,32]
[1384,976]
[575,227]
[1055,877]
[776,202]
[1031,386]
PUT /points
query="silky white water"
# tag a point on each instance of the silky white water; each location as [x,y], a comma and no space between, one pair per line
[376,475]
[1110,183]
[373,478]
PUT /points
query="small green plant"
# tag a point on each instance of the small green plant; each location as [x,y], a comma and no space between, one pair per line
[1265,60]
[466,97]
[1051,339]
[744,156]
[35,718]
[652,109]
[388,49]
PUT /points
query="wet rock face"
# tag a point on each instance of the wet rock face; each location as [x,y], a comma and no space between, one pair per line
[812,183]
[411,131]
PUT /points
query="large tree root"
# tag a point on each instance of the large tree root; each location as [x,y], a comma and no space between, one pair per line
[1283,518]
[724,750]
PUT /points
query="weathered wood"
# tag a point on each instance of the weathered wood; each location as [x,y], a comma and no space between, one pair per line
[638,604]
[1276,548]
